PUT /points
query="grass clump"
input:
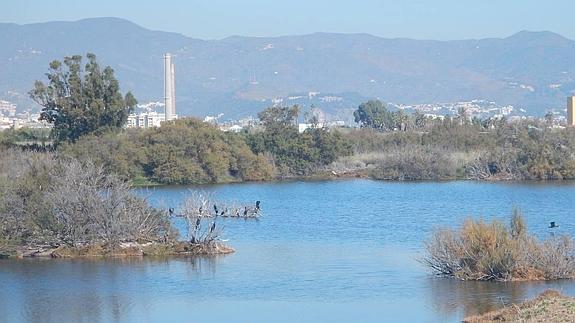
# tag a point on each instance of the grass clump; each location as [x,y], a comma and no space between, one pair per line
[550,306]
[494,251]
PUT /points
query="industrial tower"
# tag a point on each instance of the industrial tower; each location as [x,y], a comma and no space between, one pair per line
[169,87]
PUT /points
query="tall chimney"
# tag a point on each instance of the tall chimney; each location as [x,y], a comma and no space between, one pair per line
[173,71]
[168,87]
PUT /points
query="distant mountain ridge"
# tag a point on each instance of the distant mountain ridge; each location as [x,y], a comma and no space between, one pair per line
[240,75]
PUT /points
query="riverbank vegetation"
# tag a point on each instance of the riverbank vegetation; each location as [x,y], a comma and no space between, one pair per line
[293,153]
[59,206]
[189,151]
[493,251]
[88,113]
[550,306]
[398,146]
[185,151]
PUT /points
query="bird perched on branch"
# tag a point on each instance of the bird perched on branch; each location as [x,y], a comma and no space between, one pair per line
[257,206]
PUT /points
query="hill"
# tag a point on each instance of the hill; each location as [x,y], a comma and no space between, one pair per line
[240,75]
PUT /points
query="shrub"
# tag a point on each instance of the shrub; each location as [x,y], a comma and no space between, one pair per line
[492,251]
[45,200]
[185,151]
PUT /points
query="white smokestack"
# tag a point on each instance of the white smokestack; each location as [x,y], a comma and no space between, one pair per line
[173,71]
[168,87]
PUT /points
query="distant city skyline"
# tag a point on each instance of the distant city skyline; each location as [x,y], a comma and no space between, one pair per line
[216,19]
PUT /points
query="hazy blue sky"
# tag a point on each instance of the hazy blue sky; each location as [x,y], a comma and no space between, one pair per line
[209,19]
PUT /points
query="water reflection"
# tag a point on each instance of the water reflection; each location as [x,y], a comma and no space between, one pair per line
[91,290]
[449,296]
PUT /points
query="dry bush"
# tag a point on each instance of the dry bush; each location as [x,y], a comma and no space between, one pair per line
[24,177]
[90,205]
[415,163]
[555,258]
[45,200]
[492,251]
[409,162]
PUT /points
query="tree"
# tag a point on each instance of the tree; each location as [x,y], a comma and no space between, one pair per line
[295,153]
[374,114]
[400,120]
[463,115]
[549,118]
[79,101]
[282,117]
[420,120]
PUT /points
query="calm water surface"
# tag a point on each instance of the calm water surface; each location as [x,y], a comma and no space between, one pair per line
[333,251]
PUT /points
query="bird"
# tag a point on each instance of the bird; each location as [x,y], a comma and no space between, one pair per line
[257,206]
[216,208]
[246,211]
[171,211]
[552,225]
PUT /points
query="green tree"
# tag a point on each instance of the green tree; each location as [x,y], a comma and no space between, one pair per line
[374,114]
[420,120]
[400,120]
[79,101]
[549,118]
[279,117]
[295,153]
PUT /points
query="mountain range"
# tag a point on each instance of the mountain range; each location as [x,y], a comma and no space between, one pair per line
[241,75]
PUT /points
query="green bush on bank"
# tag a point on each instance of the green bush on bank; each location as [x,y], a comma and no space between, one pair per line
[447,150]
[186,151]
[294,153]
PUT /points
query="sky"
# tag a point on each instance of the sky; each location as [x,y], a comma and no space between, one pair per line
[216,19]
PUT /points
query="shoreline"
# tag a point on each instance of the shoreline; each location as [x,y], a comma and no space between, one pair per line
[126,249]
[549,306]
[357,175]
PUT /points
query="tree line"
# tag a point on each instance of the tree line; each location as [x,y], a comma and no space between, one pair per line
[88,112]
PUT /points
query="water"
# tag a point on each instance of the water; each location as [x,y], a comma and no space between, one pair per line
[331,251]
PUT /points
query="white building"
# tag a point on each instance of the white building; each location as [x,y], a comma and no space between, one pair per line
[8,109]
[145,120]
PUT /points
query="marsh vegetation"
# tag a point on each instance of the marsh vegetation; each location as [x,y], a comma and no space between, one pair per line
[494,251]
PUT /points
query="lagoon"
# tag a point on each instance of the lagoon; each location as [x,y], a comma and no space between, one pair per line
[326,251]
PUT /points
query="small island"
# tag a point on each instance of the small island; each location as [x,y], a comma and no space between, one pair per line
[53,206]
[495,252]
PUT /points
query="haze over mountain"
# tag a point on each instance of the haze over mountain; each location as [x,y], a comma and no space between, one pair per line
[240,75]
